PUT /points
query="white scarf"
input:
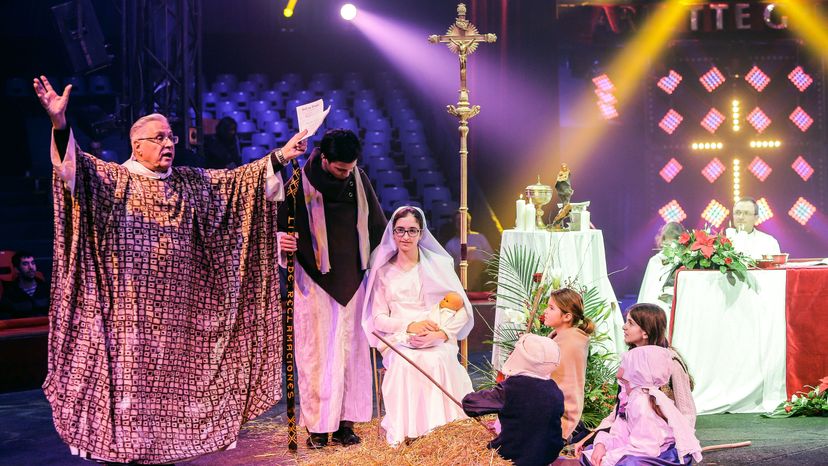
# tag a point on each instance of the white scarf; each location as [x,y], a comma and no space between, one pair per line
[137,168]
[315,204]
[437,276]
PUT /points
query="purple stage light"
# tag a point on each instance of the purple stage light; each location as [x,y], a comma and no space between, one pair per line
[715,213]
[758,119]
[670,170]
[802,168]
[712,120]
[348,12]
[758,79]
[760,169]
[801,119]
[800,78]
[765,211]
[670,82]
[671,121]
[712,79]
[603,83]
[713,170]
[608,111]
[802,211]
[672,212]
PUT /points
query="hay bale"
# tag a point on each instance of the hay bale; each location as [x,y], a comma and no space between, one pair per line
[460,442]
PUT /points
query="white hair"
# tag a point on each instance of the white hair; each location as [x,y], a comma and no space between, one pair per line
[141,122]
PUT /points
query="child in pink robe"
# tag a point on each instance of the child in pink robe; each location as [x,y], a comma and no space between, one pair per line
[649,428]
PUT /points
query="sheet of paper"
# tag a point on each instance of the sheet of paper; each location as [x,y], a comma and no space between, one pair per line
[311,115]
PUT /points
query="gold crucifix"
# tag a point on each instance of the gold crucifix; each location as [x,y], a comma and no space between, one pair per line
[463,38]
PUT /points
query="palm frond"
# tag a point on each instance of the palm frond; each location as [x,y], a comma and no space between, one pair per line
[512,271]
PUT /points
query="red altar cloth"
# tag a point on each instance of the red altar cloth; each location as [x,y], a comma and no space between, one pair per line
[806,311]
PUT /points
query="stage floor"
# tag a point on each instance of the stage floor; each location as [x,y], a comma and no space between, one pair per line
[27,437]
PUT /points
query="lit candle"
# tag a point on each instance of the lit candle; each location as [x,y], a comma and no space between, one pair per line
[520,206]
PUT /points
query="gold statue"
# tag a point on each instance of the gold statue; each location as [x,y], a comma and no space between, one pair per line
[563,185]
[564,188]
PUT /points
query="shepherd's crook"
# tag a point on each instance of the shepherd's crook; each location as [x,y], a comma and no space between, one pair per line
[445,392]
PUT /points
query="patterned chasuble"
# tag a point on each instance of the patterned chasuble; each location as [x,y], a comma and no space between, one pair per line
[165,325]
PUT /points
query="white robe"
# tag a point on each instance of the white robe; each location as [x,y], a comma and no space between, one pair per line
[413,405]
[332,358]
[652,286]
[755,244]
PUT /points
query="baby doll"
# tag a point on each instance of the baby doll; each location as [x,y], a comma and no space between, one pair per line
[447,309]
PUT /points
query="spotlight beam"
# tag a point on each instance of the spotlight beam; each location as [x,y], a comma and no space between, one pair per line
[626,71]
[808,22]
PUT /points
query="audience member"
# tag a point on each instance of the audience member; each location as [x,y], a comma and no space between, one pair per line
[28,294]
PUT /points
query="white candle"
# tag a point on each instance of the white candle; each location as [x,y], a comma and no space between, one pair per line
[529,217]
[520,206]
[584,220]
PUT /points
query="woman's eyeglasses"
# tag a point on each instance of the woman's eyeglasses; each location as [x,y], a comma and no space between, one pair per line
[399,232]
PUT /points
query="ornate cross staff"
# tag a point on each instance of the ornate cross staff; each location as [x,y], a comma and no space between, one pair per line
[290,363]
[462,38]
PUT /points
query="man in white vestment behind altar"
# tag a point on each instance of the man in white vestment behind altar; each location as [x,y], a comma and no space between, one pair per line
[746,238]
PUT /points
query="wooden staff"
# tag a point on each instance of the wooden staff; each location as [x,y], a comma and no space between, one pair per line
[445,392]
[725,446]
[290,373]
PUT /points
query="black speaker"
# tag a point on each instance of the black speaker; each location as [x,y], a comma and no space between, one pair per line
[82,36]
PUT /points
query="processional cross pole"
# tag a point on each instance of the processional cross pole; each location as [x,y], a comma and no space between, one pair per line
[463,38]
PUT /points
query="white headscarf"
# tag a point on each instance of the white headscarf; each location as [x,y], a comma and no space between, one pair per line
[648,368]
[533,356]
[437,275]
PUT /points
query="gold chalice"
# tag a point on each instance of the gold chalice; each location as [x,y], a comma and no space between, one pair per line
[539,195]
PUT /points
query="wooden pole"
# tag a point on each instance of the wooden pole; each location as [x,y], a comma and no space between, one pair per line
[431,379]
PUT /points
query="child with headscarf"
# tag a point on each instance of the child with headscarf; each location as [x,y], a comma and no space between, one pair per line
[649,428]
[528,403]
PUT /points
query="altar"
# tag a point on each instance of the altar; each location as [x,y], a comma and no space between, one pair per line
[580,256]
[750,349]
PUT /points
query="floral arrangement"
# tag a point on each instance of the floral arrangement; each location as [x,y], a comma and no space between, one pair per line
[802,403]
[525,294]
[701,249]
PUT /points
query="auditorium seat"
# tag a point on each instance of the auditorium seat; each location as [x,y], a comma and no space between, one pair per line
[426,178]
[260,79]
[274,98]
[210,101]
[389,178]
[389,196]
[252,153]
[240,99]
[434,194]
[248,87]
[224,108]
[263,140]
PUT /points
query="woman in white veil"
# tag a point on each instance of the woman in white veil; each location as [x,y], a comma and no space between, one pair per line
[410,274]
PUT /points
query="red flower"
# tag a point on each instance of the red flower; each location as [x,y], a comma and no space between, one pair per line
[684,238]
[703,243]
[728,260]
[536,277]
[788,408]
[823,384]
[724,241]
